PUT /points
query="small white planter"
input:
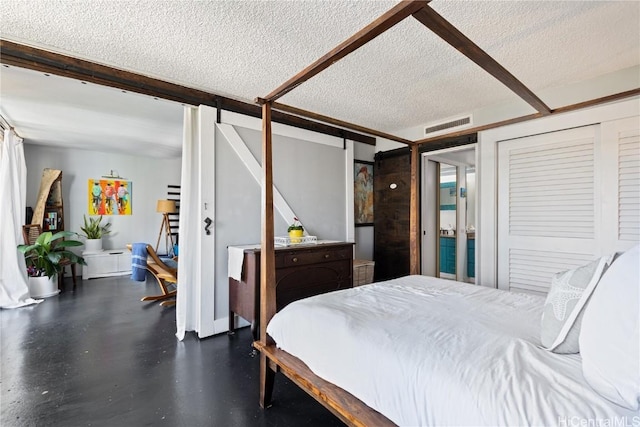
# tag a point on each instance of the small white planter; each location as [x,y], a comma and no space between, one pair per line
[43,287]
[93,245]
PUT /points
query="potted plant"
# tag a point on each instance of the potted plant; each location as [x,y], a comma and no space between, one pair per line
[93,231]
[295,231]
[46,258]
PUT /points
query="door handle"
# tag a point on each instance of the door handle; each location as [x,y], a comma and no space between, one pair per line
[208,222]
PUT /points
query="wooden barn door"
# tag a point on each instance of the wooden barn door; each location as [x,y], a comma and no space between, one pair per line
[392,182]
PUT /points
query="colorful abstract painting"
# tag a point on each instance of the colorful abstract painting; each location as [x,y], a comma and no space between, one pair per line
[109,197]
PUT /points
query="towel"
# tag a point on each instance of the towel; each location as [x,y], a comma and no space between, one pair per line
[236,258]
[169,262]
[139,262]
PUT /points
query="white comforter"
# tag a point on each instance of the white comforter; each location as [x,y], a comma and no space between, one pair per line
[425,351]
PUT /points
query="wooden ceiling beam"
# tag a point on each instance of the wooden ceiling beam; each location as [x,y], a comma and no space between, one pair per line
[445,30]
[597,101]
[337,122]
[395,15]
[18,55]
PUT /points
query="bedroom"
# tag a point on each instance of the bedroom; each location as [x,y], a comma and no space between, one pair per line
[487,248]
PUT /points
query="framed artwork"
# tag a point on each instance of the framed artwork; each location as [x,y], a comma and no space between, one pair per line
[109,197]
[362,193]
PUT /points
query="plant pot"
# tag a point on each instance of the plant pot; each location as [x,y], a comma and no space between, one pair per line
[93,245]
[43,287]
[295,236]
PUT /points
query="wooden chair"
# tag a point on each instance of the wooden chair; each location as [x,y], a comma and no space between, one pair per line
[166,276]
[30,234]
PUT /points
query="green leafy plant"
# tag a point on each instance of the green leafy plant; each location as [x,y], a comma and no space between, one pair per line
[45,255]
[296,225]
[92,228]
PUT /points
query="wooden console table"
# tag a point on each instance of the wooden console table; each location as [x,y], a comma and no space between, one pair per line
[301,271]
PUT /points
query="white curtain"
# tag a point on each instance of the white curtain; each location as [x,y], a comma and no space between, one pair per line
[14,291]
[189,258]
[196,272]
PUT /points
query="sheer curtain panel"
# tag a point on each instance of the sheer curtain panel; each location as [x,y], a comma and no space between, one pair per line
[14,291]
[195,299]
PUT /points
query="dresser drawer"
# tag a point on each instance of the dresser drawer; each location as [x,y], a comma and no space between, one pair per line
[314,256]
[295,283]
[301,271]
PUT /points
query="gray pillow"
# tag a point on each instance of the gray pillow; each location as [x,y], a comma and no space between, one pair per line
[568,295]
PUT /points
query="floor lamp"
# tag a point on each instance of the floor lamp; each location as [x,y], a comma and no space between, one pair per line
[165,207]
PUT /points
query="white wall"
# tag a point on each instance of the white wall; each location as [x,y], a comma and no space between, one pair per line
[149,176]
[387,145]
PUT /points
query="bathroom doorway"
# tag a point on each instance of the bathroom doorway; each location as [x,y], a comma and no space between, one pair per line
[449,214]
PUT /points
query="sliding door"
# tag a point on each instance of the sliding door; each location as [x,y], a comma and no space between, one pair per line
[392,185]
[547,206]
[565,198]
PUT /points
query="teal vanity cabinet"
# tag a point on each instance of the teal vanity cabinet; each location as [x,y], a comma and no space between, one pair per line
[448,254]
[471,255]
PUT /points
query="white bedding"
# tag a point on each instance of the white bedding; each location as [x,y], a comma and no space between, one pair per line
[426,351]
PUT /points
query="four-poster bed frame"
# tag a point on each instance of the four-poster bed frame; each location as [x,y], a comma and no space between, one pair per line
[345,406]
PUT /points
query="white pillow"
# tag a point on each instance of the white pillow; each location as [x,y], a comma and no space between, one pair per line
[610,334]
[568,295]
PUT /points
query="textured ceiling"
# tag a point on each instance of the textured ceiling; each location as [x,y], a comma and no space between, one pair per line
[404,78]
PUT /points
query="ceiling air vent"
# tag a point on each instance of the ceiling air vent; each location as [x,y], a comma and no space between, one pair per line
[445,126]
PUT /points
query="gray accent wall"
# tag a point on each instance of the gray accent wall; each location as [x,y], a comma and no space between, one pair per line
[311,178]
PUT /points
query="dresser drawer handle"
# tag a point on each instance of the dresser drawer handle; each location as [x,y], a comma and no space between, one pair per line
[326,256]
[294,259]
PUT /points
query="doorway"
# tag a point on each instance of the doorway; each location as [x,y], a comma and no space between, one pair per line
[449,214]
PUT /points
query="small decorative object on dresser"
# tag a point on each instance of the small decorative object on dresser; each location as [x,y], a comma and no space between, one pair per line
[296,231]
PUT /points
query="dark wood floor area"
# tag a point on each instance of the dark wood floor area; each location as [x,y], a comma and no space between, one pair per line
[97,356]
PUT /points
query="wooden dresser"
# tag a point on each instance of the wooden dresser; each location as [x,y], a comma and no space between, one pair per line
[301,271]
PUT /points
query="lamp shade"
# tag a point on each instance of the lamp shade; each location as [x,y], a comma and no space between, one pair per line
[166,206]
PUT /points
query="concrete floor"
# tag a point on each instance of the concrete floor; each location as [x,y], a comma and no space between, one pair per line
[97,356]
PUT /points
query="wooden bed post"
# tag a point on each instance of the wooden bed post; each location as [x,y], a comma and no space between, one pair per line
[414,218]
[267,256]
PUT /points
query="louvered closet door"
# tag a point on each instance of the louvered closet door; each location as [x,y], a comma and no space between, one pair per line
[621,183]
[547,206]
[628,184]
